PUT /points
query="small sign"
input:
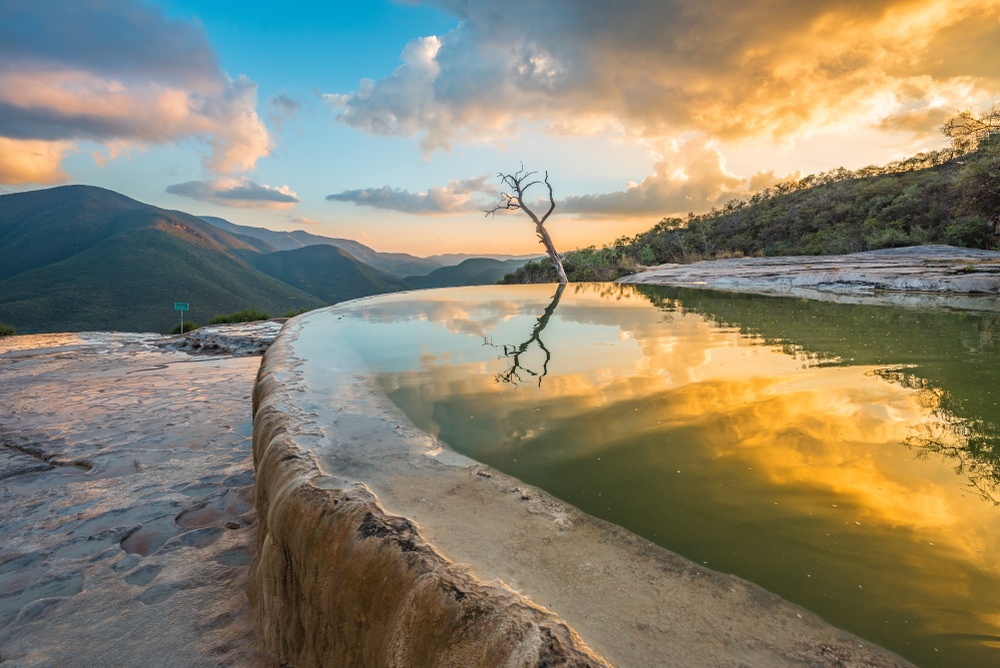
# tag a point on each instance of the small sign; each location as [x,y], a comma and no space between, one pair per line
[181,306]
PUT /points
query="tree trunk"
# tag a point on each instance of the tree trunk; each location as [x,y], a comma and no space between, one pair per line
[551,250]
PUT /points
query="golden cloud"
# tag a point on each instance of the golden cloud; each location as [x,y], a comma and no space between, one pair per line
[661,68]
[31,161]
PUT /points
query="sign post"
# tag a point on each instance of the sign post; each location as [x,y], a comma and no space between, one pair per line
[181,306]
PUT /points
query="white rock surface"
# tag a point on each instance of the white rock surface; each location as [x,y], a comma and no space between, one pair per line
[919,276]
[125,502]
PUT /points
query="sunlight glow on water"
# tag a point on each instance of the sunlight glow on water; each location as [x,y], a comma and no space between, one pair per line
[842,457]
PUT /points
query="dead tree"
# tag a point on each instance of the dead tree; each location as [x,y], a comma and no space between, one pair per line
[517,184]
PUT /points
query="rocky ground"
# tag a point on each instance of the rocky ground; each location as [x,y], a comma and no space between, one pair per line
[920,276]
[126,482]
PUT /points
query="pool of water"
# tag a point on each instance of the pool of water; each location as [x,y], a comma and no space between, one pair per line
[844,457]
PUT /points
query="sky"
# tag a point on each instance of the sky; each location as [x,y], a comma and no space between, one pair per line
[388,122]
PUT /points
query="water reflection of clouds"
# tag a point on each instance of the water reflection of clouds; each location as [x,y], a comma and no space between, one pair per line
[840,431]
[474,313]
[838,428]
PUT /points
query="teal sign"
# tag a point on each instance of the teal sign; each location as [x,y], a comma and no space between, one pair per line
[181,306]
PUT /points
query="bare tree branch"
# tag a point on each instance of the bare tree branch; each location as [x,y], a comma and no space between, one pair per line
[967,130]
[513,199]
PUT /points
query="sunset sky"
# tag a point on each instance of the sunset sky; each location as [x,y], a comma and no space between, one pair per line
[387,122]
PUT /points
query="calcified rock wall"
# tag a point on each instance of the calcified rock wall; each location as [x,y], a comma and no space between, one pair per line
[337,581]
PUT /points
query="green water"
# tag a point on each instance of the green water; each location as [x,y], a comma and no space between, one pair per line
[844,457]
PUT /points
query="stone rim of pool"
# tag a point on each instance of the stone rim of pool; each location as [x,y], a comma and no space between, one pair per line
[424,554]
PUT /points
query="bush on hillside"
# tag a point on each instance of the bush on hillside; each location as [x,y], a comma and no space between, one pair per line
[585,264]
[188,326]
[250,315]
[7,330]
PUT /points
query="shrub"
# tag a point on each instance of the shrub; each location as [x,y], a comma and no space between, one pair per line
[972,231]
[188,326]
[250,315]
[7,330]
[888,237]
[646,255]
[295,312]
[535,271]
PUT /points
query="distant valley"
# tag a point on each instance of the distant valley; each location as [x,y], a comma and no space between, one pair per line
[77,258]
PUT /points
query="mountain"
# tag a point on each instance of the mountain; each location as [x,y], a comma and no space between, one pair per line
[474,271]
[451,259]
[327,272]
[78,258]
[397,264]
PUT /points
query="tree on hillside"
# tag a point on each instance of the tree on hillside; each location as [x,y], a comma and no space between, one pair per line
[980,178]
[518,184]
[980,182]
[968,130]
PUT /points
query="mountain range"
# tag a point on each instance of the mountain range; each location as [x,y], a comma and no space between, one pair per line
[76,258]
[398,264]
[473,271]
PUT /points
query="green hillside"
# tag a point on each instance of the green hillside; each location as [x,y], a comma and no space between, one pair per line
[328,273]
[474,271]
[82,258]
[397,264]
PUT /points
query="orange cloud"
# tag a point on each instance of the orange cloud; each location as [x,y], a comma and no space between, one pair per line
[689,177]
[30,161]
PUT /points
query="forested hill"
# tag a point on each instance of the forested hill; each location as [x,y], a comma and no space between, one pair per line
[946,197]
[77,258]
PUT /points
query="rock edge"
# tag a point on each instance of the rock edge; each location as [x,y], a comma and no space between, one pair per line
[918,276]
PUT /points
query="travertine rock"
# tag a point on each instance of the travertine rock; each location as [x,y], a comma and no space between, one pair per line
[920,276]
[125,504]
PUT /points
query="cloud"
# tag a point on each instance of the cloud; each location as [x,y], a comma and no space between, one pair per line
[29,161]
[120,73]
[690,177]
[285,105]
[661,68]
[456,197]
[240,192]
[403,103]
[763,180]
[302,220]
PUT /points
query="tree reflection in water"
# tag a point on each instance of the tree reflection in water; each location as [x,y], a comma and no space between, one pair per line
[968,444]
[513,373]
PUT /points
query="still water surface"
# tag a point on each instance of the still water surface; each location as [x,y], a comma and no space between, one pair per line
[844,457]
